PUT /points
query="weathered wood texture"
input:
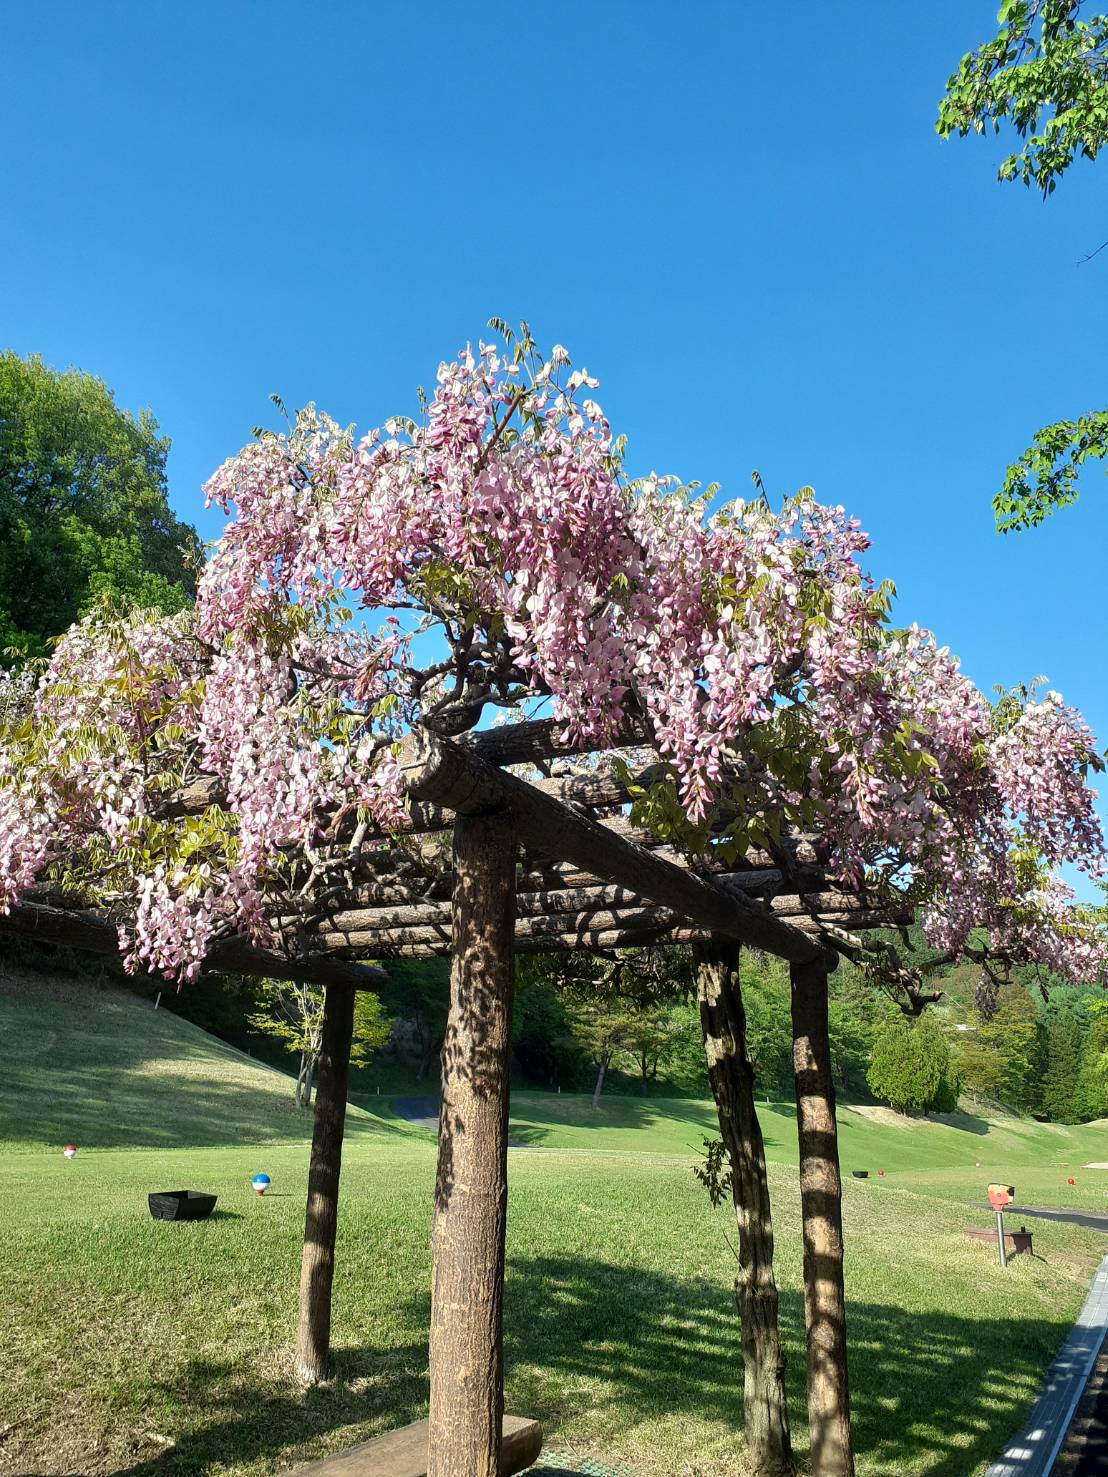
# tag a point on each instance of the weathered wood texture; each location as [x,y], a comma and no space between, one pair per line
[317,1264]
[554,933]
[326,952]
[767,1443]
[404,1453]
[782,898]
[445,773]
[471,1189]
[832,1452]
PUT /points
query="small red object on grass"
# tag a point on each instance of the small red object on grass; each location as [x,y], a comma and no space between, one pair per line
[880,1171]
[1071,1182]
[70,1151]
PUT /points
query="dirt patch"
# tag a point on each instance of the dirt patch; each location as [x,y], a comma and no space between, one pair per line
[66,1447]
[888,1116]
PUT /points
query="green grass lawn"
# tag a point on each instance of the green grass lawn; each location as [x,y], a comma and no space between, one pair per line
[137,1347]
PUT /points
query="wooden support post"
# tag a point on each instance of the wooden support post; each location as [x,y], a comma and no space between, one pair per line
[471,1191]
[768,1446]
[317,1266]
[832,1453]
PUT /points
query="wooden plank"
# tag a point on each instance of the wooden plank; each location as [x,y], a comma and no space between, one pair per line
[403,1453]
[788,899]
[537,740]
[541,936]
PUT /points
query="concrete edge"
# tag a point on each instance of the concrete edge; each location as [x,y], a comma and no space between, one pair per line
[1032,1452]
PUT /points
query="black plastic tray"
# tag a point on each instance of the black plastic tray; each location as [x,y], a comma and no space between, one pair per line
[181,1205]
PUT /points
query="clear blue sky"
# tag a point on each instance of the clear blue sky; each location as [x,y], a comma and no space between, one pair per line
[739,217]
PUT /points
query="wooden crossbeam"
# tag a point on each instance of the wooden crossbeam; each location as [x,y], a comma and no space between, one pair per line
[444,773]
[787,900]
[557,932]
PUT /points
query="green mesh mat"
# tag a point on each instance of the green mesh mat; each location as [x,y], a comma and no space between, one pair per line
[565,1464]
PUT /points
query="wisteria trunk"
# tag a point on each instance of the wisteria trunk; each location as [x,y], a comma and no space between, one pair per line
[317,1267]
[723,1023]
[471,1191]
[832,1453]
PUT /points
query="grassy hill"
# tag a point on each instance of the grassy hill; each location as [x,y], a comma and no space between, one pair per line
[956,1149]
[99,1067]
[136,1347]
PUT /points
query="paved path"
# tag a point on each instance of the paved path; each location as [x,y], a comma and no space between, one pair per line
[1086,1450]
[1092,1220]
[1033,1451]
[423,1112]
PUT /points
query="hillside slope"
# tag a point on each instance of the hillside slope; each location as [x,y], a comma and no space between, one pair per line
[870,1138]
[101,1068]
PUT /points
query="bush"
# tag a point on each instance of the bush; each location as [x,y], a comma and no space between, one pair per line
[911,1067]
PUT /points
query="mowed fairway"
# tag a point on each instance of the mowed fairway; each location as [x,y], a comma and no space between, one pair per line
[139,1347]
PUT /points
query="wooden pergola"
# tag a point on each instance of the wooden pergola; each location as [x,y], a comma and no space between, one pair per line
[490,863]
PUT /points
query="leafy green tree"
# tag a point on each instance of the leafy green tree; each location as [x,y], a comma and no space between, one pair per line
[542,1041]
[1012,1035]
[996,1056]
[769,1031]
[851,1040]
[618,1006]
[1063,1066]
[853,1010]
[293,1013]
[911,1068]
[84,511]
[681,1057]
[418,992]
[1045,74]
[981,1070]
[1091,1096]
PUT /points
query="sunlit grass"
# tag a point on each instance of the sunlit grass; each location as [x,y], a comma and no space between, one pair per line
[140,1347]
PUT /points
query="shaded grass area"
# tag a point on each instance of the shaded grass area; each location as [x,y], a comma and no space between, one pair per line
[147,1348]
[99,1067]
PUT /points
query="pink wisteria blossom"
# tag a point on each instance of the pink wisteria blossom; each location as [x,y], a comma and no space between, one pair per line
[751,644]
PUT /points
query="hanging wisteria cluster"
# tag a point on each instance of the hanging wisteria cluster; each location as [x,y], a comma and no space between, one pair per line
[749,644]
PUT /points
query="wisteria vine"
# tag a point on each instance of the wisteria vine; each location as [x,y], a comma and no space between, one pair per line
[749,644]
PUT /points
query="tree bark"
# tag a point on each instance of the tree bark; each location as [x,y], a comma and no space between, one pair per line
[723,1024]
[304,1081]
[821,1211]
[599,1088]
[317,1267]
[471,1192]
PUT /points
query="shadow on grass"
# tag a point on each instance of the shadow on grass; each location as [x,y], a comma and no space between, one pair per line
[963,1121]
[572,1110]
[606,1347]
[122,1074]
